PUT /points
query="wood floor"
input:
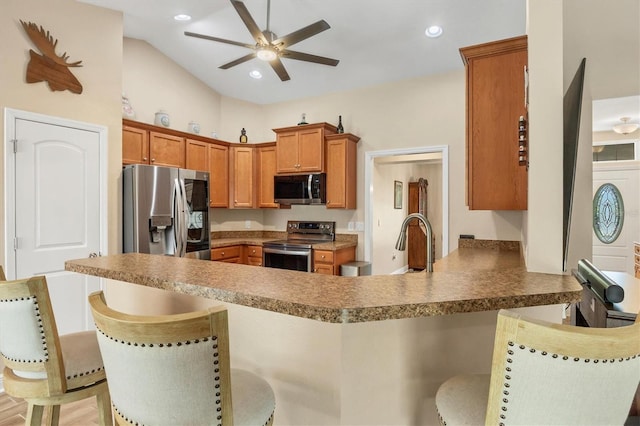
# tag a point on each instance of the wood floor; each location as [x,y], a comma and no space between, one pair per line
[81,413]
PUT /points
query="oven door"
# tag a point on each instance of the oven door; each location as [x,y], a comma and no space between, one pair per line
[295,259]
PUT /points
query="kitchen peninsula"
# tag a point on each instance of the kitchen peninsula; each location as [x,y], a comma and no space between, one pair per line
[357,350]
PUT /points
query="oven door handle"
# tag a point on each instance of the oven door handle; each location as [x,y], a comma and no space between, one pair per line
[304,252]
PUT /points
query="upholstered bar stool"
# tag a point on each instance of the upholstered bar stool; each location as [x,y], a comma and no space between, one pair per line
[175,369]
[546,374]
[41,367]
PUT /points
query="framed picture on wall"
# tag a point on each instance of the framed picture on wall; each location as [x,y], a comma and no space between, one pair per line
[397,194]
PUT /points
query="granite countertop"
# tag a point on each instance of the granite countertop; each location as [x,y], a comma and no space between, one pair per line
[258,241]
[258,238]
[467,280]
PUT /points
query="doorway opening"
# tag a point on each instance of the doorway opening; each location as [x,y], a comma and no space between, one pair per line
[383,220]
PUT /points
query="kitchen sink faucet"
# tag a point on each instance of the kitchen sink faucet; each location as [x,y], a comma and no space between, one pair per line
[402,238]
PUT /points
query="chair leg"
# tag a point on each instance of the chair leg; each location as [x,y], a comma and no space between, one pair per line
[54,415]
[34,415]
[105,417]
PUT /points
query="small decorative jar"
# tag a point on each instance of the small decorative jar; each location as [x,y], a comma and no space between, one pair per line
[194,127]
[127,110]
[162,118]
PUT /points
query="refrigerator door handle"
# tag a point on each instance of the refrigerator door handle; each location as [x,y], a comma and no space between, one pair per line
[177,223]
[185,219]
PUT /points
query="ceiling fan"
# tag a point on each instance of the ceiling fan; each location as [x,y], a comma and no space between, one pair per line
[268,46]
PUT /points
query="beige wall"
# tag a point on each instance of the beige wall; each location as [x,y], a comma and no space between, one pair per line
[88,34]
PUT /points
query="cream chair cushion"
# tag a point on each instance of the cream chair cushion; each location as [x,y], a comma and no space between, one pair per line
[473,390]
[250,390]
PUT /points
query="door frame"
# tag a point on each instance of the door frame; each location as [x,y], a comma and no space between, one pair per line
[368,185]
[10,115]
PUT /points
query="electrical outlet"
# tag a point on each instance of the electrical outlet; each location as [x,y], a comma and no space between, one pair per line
[359,226]
[350,226]
[247,224]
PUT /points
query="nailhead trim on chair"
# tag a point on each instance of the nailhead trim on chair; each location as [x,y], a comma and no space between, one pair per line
[168,345]
[44,342]
[507,377]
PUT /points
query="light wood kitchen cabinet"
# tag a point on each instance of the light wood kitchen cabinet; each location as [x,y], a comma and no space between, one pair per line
[214,159]
[253,255]
[341,151]
[218,175]
[301,149]
[495,74]
[135,145]
[230,254]
[266,170]
[197,155]
[166,150]
[143,146]
[328,262]
[241,177]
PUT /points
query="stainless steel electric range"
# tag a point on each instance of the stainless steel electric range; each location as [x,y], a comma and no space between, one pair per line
[295,252]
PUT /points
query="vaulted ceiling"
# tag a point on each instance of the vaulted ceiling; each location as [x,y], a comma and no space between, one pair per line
[378,41]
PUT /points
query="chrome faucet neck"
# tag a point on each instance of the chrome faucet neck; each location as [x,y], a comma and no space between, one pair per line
[402,238]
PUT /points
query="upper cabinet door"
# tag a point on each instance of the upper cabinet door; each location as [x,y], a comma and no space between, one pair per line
[218,175]
[166,150]
[311,150]
[242,177]
[287,152]
[135,145]
[341,171]
[495,102]
[197,155]
[266,168]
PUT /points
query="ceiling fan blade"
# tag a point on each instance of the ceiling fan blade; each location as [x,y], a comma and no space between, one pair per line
[249,22]
[278,67]
[290,54]
[238,61]
[220,40]
[301,34]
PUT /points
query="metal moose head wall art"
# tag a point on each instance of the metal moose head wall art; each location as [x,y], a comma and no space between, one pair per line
[48,66]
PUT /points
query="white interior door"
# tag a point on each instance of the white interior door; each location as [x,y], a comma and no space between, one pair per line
[56,206]
[618,255]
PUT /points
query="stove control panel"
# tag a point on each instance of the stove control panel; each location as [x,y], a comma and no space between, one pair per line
[314,228]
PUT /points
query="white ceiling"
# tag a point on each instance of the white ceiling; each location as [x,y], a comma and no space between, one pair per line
[376,41]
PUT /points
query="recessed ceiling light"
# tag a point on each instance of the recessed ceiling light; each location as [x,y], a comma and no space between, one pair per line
[433,31]
[182,17]
[255,74]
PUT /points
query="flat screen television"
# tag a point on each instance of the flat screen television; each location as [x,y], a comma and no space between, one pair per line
[571,123]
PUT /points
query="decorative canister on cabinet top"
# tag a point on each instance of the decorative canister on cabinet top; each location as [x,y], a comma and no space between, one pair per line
[194,127]
[162,118]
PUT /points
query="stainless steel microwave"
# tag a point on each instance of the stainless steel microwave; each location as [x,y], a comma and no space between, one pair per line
[300,189]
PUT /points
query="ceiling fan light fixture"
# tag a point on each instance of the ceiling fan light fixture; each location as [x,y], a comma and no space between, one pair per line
[266,54]
[182,17]
[625,128]
[433,31]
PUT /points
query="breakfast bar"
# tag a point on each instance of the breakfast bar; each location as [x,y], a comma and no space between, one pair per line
[356,350]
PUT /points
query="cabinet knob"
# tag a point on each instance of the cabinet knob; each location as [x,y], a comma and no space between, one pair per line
[322,256]
[153,160]
[223,253]
[145,158]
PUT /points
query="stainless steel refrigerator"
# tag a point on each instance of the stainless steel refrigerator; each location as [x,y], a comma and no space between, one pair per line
[166,211]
